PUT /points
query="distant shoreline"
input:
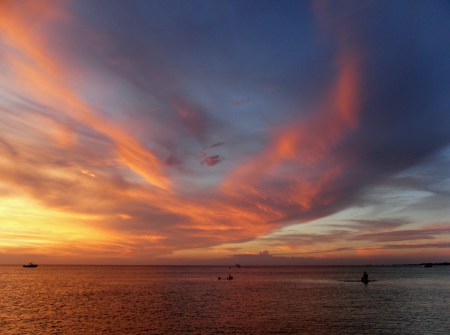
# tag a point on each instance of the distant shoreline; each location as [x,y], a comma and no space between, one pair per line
[250,265]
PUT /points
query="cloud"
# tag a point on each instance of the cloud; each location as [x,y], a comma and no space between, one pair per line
[242,102]
[41,78]
[356,239]
[172,161]
[103,112]
[366,128]
[404,235]
[215,145]
[374,225]
[7,147]
[212,160]
[443,245]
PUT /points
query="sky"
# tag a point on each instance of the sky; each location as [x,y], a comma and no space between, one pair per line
[223,132]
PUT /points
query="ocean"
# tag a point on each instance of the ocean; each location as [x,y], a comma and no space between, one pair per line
[130,300]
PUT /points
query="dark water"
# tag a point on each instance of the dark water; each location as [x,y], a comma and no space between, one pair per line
[190,300]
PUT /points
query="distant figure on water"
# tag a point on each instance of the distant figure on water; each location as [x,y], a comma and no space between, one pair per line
[30,265]
[365,278]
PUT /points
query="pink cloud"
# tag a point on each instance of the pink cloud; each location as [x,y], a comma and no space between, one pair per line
[212,160]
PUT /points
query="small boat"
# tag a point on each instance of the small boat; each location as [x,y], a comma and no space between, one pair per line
[428,265]
[30,265]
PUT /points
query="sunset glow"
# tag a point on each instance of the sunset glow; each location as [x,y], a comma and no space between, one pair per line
[197,132]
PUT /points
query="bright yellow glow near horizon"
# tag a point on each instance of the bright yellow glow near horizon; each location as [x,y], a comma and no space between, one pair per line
[27,223]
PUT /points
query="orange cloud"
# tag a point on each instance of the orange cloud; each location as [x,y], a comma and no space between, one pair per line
[301,154]
[301,149]
[40,76]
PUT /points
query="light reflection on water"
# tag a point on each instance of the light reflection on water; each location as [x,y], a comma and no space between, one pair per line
[190,300]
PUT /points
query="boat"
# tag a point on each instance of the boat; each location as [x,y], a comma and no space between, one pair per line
[30,265]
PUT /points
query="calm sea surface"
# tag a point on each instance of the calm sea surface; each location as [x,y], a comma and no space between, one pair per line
[87,300]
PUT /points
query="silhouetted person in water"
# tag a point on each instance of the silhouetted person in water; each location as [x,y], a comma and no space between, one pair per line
[365,277]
